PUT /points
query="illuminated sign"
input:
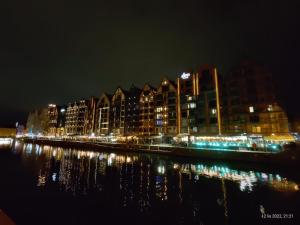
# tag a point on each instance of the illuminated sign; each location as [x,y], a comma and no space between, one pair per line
[185,75]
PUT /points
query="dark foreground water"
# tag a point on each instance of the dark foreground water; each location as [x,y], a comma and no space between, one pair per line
[50,185]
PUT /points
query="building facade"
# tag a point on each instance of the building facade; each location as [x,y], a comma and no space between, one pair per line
[90,117]
[83,117]
[146,117]
[71,119]
[53,112]
[132,111]
[118,111]
[103,115]
[165,112]
[77,118]
[61,120]
[252,104]
[199,102]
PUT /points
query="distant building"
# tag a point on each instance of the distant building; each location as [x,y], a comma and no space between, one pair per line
[103,115]
[20,129]
[165,112]
[252,105]
[38,121]
[53,111]
[146,105]
[7,132]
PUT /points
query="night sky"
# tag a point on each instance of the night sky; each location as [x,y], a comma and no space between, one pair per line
[55,51]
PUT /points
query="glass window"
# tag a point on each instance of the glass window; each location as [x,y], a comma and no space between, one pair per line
[251,109]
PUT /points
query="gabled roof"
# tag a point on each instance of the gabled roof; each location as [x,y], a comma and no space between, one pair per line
[149,86]
[104,94]
[173,83]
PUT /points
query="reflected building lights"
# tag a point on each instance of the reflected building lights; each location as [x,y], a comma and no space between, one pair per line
[141,179]
[246,180]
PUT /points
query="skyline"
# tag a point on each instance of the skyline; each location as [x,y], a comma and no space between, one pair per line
[81,50]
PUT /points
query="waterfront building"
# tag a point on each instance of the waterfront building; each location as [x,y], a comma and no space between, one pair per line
[199,102]
[125,111]
[103,115]
[165,111]
[252,105]
[118,112]
[146,102]
[132,111]
[56,119]
[83,114]
[53,111]
[209,102]
[77,118]
[60,131]
[7,132]
[71,119]
[90,117]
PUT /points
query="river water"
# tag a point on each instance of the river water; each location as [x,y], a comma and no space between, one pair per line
[52,185]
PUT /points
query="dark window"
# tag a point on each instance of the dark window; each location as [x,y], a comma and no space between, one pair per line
[254,119]
[165,88]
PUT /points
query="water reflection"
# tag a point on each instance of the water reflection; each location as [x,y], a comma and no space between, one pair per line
[78,171]
[145,182]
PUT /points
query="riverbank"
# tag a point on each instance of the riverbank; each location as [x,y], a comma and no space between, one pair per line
[290,157]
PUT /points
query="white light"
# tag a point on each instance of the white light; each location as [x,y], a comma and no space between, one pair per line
[270,108]
[185,75]
[251,109]
[54,177]
[62,110]
[161,169]
[5,141]
[192,106]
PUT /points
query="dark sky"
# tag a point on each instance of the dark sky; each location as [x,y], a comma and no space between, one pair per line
[59,51]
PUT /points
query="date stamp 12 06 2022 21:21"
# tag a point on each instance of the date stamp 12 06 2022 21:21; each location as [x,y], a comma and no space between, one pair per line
[265,215]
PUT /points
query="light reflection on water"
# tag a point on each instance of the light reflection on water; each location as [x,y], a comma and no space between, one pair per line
[142,179]
[73,164]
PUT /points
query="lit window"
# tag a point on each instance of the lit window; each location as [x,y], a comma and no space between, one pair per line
[270,108]
[159,116]
[192,105]
[251,109]
[213,111]
[190,98]
[159,109]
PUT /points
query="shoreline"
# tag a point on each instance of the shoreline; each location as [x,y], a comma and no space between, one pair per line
[290,157]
